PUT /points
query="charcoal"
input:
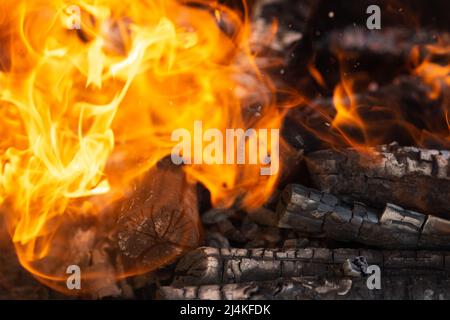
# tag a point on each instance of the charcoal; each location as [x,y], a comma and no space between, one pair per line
[322,215]
[207,266]
[310,288]
[414,178]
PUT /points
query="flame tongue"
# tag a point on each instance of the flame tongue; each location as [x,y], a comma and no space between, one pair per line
[84,112]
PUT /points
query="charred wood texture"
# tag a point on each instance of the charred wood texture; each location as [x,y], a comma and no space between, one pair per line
[414,178]
[310,288]
[318,273]
[160,220]
[206,266]
[292,289]
[319,214]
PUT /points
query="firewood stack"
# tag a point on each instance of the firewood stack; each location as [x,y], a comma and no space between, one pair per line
[325,233]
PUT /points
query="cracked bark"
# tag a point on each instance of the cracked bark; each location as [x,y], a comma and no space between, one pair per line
[310,288]
[291,289]
[414,178]
[206,265]
[319,214]
[319,273]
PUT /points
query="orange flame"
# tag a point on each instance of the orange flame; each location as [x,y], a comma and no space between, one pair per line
[84,112]
[347,115]
[359,120]
[435,72]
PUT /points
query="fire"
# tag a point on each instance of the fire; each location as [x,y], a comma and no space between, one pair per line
[84,111]
[434,69]
[347,115]
[362,117]
[435,74]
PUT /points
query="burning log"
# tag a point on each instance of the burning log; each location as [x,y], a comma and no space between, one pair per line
[207,266]
[155,223]
[410,177]
[319,214]
[160,219]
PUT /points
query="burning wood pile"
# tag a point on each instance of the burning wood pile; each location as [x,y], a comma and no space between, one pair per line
[360,205]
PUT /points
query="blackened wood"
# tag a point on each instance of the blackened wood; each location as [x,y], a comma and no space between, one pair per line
[292,289]
[311,288]
[207,266]
[319,214]
[160,219]
[414,178]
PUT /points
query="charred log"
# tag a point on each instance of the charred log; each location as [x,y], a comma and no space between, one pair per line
[410,177]
[207,266]
[160,220]
[292,289]
[311,288]
[319,214]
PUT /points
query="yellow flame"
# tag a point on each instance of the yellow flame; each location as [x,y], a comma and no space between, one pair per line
[84,112]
